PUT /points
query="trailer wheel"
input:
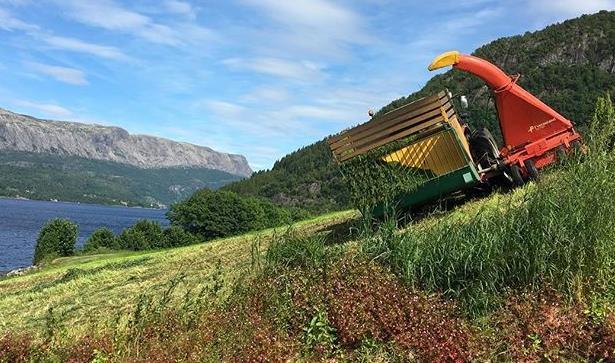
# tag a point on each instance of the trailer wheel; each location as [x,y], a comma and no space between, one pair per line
[517,177]
[483,148]
[532,171]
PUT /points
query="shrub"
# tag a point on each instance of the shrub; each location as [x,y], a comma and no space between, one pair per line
[144,235]
[101,238]
[271,215]
[56,238]
[213,214]
[602,125]
[291,250]
[175,236]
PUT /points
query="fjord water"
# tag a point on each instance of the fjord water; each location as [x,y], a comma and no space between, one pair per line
[21,220]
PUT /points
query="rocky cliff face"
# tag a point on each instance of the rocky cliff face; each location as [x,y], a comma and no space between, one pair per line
[25,133]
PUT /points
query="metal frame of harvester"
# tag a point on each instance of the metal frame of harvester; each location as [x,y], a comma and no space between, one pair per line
[429,137]
[534,134]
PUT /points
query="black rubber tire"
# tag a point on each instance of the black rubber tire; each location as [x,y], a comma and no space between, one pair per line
[483,148]
[517,177]
[532,170]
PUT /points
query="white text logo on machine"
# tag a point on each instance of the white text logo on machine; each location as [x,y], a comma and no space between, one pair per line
[541,126]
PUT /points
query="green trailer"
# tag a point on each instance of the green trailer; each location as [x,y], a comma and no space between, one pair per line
[409,156]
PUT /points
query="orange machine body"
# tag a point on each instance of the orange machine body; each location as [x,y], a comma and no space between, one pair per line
[530,128]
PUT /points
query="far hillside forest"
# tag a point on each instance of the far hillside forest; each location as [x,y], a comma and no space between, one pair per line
[567,65]
[75,179]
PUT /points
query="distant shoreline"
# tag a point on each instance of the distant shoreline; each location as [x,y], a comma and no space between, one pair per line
[76,202]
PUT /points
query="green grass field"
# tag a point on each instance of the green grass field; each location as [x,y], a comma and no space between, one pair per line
[523,275]
[88,291]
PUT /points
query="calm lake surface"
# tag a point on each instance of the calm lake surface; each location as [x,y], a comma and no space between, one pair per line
[21,220]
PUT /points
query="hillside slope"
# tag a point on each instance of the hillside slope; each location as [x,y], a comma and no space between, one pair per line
[307,178]
[567,65]
[44,176]
[85,289]
[521,276]
[28,134]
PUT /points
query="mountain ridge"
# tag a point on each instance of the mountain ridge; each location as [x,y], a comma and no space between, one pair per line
[43,176]
[25,133]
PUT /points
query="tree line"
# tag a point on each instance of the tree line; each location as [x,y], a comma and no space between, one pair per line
[205,216]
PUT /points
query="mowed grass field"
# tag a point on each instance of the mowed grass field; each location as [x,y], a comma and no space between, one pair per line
[88,292]
[524,275]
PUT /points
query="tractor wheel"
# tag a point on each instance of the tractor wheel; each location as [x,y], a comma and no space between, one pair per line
[483,148]
[517,177]
[532,170]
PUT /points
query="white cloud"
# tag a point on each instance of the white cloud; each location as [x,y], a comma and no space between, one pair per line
[225,110]
[10,23]
[108,15]
[181,8]
[77,45]
[302,70]
[62,74]
[47,109]
[320,16]
[430,42]
[311,27]
[331,113]
[570,8]
[105,14]
[266,94]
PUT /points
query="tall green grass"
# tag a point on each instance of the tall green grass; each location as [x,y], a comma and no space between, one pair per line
[372,181]
[559,232]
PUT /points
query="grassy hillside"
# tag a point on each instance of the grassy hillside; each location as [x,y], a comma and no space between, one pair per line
[523,276]
[46,176]
[567,65]
[83,290]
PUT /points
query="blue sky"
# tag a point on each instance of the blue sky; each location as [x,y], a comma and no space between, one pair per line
[255,77]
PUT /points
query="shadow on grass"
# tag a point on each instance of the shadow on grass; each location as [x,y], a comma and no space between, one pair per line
[342,232]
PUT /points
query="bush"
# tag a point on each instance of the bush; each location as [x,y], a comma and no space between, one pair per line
[175,236]
[602,125]
[56,238]
[290,250]
[213,214]
[101,238]
[144,235]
